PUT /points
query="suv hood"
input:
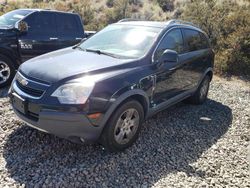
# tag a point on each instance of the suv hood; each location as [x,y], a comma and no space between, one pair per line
[5,31]
[3,28]
[68,62]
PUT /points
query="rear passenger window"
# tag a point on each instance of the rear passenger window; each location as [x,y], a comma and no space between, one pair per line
[41,24]
[67,25]
[193,40]
[173,41]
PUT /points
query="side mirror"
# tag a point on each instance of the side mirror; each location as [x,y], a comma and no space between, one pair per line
[89,33]
[84,39]
[168,56]
[22,26]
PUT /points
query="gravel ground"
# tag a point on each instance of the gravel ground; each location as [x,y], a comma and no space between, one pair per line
[183,146]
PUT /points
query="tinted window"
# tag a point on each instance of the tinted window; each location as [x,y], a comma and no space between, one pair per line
[204,41]
[173,41]
[67,24]
[194,40]
[41,24]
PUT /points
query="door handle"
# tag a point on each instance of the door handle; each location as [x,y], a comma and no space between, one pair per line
[53,38]
[78,38]
[172,69]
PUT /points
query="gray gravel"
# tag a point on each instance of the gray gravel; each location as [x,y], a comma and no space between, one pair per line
[183,146]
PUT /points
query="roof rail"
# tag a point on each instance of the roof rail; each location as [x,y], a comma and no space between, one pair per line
[128,20]
[175,21]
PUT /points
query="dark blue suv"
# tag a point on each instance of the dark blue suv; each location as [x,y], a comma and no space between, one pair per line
[105,87]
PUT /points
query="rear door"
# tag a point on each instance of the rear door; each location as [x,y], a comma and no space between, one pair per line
[42,36]
[69,28]
[195,57]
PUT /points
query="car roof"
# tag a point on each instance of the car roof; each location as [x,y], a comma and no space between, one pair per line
[47,10]
[163,25]
[144,23]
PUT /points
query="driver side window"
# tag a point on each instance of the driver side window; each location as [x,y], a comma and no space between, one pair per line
[41,24]
[173,41]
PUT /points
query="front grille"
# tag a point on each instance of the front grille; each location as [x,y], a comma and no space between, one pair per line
[30,91]
[29,86]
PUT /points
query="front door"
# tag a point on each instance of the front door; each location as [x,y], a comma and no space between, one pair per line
[41,37]
[168,82]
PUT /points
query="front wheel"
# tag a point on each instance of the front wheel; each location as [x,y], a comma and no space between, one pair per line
[123,128]
[7,71]
[200,96]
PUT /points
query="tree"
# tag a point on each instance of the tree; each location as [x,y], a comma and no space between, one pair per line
[228,26]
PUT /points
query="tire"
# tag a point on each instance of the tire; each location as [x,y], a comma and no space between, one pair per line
[200,96]
[123,128]
[7,71]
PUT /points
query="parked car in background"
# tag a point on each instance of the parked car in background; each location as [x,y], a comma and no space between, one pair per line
[105,87]
[27,33]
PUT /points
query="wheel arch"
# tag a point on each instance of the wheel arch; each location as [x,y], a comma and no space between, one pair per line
[210,74]
[136,94]
[7,53]
[142,100]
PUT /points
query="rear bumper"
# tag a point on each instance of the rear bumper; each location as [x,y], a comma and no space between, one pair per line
[72,126]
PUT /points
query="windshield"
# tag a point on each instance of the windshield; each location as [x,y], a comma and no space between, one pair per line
[123,40]
[9,19]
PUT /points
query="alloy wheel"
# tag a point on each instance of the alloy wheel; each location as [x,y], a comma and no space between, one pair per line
[4,72]
[126,126]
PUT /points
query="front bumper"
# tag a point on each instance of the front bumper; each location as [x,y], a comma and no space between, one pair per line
[32,102]
[70,125]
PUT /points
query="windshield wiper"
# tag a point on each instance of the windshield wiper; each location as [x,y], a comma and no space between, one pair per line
[100,52]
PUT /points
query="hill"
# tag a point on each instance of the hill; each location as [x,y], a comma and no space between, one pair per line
[227,22]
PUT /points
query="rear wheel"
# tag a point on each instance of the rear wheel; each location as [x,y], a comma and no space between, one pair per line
[124,126]
[7,71]
[200,96]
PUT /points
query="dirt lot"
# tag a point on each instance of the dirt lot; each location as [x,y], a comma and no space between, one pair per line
[183,146]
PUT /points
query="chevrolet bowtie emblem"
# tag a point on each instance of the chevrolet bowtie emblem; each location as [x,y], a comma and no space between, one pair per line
[24,82]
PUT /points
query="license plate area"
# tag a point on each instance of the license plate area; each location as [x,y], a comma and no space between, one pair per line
[19,103]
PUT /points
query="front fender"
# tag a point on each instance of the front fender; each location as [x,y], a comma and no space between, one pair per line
[11,54]
[115,102]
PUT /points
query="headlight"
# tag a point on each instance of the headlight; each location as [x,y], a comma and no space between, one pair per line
[74,93]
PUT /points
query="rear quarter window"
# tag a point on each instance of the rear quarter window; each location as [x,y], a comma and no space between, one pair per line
[204,41]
